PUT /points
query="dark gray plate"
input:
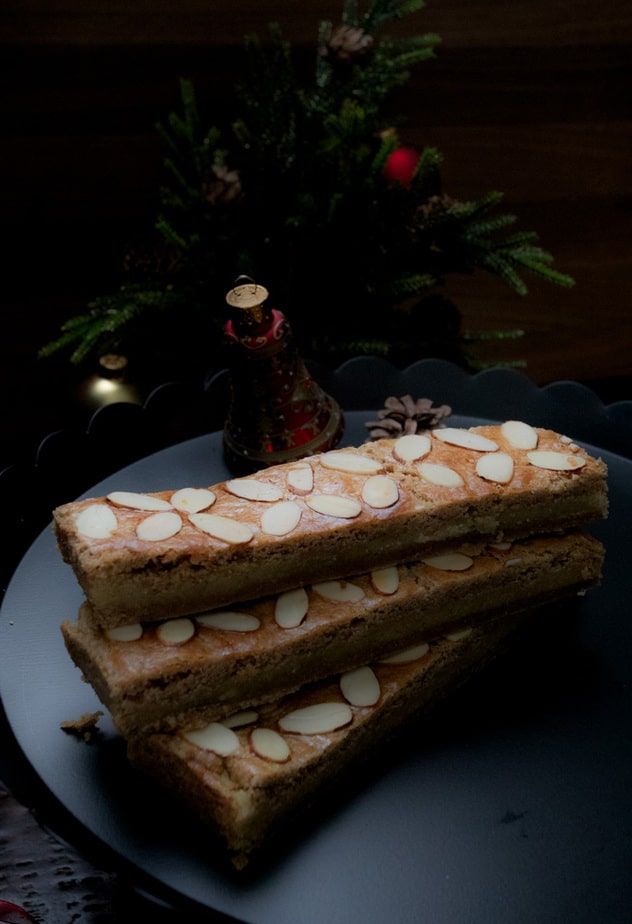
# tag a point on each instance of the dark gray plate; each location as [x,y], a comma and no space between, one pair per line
[511,804]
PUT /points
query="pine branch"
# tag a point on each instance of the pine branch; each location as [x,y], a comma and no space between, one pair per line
[426,173]
[405,287]
[294,187]
[473,230]
[109,317]
[539,267]
[381,12]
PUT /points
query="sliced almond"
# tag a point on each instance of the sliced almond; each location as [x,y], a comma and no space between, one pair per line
[335,505]
[254,490]
[440,475]
[193,500]
[340,591]
[230,620]
[385,580]
[556,461]
[159,526]
[449,561]
[455,436]
[569,442]
[214,737]
[412,447]
[291,608]
[412,653]
[175,631]
[300,478]
[350,462]
[495,466]
[360,687]
[519,434]
[129,633]
[138,501]
[380,491]
[318,719]
[281,519]
[223,528]
[98,521]
[458,635]
[500,546]
[269,744]
[241,719]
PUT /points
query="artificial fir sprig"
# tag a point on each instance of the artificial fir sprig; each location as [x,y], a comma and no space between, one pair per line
[112,321]
[295,192]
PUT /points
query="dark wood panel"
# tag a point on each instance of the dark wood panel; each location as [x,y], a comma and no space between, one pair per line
[532,99]
[80,90]
[460,23]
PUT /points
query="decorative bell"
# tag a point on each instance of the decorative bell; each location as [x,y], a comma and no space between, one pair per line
[277,412]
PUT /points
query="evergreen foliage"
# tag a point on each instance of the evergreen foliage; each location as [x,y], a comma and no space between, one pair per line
[294,193]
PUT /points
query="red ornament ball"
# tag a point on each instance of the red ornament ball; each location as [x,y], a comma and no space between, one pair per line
[401,165]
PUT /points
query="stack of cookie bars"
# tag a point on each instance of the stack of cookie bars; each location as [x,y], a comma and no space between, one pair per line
[252,638]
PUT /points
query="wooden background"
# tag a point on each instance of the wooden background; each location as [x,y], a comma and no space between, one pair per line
[531,98]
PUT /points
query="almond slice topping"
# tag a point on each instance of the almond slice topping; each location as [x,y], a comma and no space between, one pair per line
[242,718]
[192,500]
[291,608]
[254,490]
[138,501]
[495,466]
[569,442]
[335,505]
[223,528]
[175,631]
[214,737]
[519,434]
[412,653]
[340,591]
[129,633]
[318,719]
[360,687]
[556,461]
[98,521]
[300,478]
[281,519]
[440,475]
[230,620]
[380,491]
[466,439]
[385,580]
[350,462]
[159,526]
[449,561]
[458,634]
[412,447]
[269,744]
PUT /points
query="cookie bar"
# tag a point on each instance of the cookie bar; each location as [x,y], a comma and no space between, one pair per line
[245,776]
[141,556]
[188,669]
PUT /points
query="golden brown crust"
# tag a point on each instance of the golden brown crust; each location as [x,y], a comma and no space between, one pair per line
[244,797]
[125,578]
[154,682]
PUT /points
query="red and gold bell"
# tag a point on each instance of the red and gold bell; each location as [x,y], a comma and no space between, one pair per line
[277,412]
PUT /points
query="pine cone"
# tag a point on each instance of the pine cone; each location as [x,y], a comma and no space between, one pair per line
[436,206]
[404,415]
[223,187]
[347,43]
